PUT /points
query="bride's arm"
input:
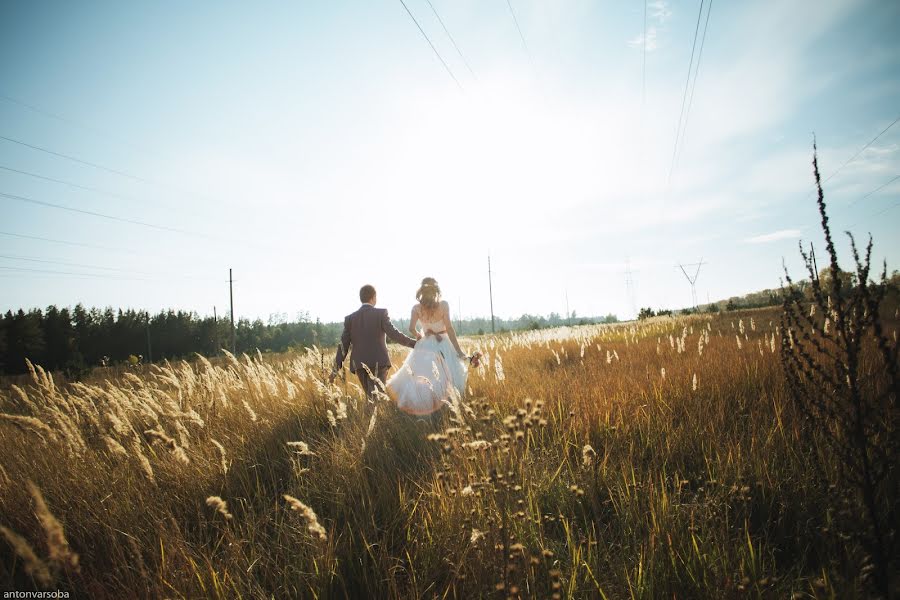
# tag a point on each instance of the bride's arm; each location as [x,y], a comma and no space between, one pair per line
[413,319]
[451,332]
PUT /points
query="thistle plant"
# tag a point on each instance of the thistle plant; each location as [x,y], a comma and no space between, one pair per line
[847,393]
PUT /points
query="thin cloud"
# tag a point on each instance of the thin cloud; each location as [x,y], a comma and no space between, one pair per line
[775,236]
[638,41]
[659,11]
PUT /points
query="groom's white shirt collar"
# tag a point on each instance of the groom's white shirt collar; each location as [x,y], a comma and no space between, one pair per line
[364,304]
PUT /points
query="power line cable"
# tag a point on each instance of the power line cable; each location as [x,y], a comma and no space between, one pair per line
[521,35]
[687,84]
[863,149]
[65,242]
[101,215]
[71,264]
[78,124]
[78,160]
[91,275]
[875,214]
[873,192]
[427,39]
[644,65]
[180,208]
[102,268]
[687,113]
[130,221]
[71,184]
[452,41]
[101,167]
[856,154]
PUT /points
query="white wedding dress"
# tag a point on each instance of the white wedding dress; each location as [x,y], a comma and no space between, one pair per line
[429,375]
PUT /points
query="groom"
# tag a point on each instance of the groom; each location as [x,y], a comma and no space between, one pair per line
[365,331]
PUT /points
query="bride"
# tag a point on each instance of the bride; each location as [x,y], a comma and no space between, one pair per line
[435,369]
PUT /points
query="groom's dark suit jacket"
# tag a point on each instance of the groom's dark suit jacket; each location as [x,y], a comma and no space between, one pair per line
[365,331]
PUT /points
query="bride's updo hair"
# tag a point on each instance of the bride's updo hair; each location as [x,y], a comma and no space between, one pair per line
[429,294]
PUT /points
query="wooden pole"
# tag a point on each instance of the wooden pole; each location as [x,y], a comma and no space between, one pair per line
[215,333]
[231,299]
[149,347]
[491,294]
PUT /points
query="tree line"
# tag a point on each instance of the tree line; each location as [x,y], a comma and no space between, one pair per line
[78,339]
[60,339]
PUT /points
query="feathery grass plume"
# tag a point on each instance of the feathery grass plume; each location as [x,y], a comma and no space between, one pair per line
[301,448]
[221,450]
[498,367]
[160,435]
[68,432]
[435,371]
[372,421]
[33,565]
[34,376]
[476,536]
[138,558]
[249,410]
[142,460]
[133,379]
[23,398]
[340,410]
[30,425]
[183,435]
[181,456]
[312,521]
[477,445]
[114,447]
[588,454]
[117,424]
[59,551]
[220,505]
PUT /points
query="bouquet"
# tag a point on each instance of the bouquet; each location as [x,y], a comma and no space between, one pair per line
[475,360]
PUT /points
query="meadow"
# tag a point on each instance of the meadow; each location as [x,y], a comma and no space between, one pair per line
[662,458]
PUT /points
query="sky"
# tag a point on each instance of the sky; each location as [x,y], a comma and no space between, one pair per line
[312,147]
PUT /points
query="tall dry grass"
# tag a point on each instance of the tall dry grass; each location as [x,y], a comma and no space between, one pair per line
[660,459]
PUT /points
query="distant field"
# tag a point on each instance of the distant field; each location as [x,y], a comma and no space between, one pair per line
[646,460]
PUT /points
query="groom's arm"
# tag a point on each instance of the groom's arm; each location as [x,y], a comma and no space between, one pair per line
[393,333]
[343,348]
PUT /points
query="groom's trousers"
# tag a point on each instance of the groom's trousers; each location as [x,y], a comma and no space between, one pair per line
[369,384]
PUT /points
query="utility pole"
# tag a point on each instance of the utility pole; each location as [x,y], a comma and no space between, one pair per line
[491,293]
[629,287]
[215,332]
[231,299]
[568,314]
[149,347]
[692,280]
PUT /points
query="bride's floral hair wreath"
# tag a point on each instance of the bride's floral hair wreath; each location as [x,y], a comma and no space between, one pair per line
[429,293]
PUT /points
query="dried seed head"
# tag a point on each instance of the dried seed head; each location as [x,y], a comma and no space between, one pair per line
[220,505]
[312,521]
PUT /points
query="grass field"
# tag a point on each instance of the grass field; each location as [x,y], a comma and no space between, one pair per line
[661,459]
